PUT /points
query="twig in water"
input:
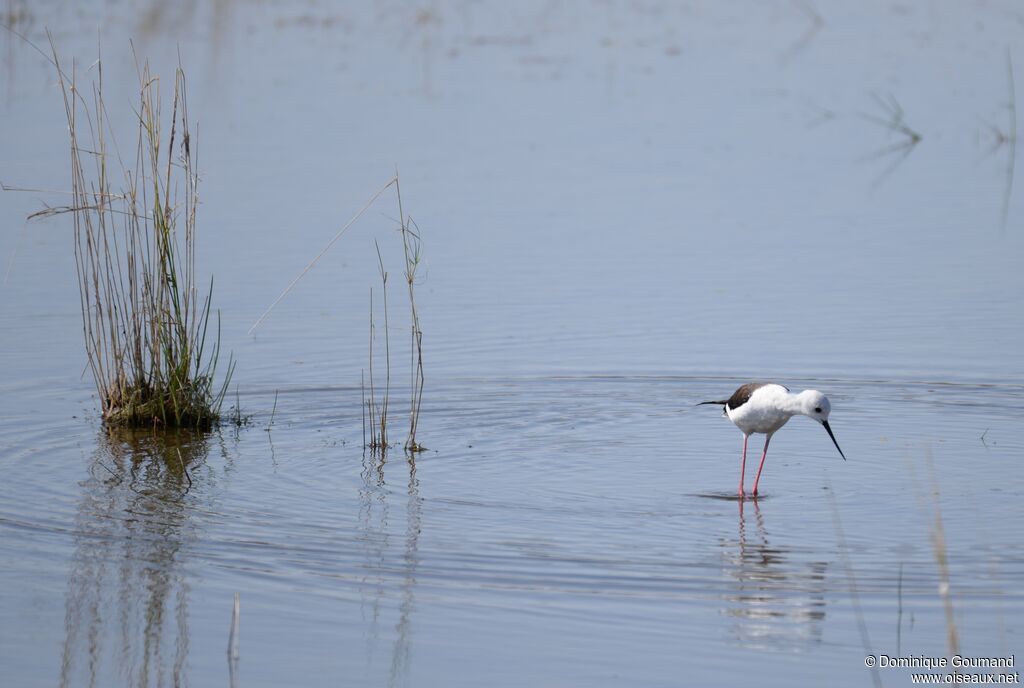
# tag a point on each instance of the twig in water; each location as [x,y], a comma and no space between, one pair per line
[118,478]
[233,642]
[273,411]
[184,469]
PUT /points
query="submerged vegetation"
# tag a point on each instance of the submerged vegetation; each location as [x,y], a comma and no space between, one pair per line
[145,320]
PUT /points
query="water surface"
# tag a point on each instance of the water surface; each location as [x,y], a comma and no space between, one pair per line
[627,208]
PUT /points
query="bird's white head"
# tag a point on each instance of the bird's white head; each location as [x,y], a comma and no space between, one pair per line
[814,404]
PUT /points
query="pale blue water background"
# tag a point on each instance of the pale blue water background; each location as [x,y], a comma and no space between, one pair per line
[626,208]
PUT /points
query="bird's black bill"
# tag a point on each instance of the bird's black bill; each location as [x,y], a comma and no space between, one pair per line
[829,431]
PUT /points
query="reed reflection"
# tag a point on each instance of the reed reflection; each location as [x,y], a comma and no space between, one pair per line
[126,610]
[382,595]
[774,601]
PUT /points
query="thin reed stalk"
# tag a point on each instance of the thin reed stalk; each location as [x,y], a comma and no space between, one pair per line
[371,409]
[939,547]
[411,249]
[144,320]
[382,434]
[942,561]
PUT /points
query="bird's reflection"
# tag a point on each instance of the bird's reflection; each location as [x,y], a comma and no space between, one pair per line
[381,558]
[774,601]
[126,611]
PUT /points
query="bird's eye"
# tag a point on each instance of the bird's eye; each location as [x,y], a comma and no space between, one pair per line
[817,409]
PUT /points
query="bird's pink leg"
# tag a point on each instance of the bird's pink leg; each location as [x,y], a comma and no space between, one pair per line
[761,467]
[743,465]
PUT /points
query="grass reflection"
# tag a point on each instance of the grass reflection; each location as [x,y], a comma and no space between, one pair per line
[126,608]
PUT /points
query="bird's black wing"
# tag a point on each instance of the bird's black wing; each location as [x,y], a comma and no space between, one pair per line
[743,394]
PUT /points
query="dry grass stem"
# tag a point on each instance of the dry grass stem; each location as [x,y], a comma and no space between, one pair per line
[312,263]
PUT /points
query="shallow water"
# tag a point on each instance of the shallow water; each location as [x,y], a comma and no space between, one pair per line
[626,209]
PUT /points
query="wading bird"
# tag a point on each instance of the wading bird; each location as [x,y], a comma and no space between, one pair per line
[765,407]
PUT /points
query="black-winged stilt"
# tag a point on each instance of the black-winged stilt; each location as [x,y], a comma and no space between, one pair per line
[764,407]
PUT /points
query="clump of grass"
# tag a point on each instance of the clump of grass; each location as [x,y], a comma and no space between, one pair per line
[378,415]
[145,320]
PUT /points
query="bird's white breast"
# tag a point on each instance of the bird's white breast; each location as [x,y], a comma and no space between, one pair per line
[767,410]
